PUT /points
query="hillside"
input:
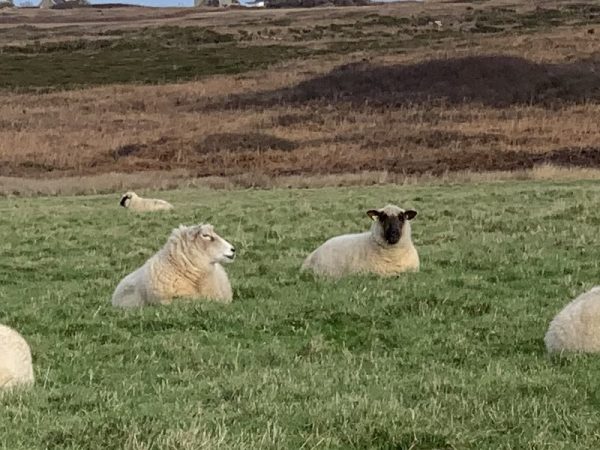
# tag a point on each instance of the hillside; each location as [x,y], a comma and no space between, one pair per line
[264,93]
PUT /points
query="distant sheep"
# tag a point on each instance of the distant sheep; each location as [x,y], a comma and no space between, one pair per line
[136,203]
[386,249]
[189,265]
[577,327]
[16,368]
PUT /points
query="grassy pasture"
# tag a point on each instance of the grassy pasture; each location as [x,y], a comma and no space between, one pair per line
[451,357]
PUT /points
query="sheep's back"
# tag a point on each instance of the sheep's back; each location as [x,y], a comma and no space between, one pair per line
[130,290]
[15,359]
[339,255]
[149,204]
[577,326]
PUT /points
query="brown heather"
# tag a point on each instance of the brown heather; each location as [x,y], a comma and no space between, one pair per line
[512,100]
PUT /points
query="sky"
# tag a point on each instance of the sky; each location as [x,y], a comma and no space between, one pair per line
[160,3]
[156,3]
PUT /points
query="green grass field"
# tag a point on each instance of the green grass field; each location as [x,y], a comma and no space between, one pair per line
[451,357]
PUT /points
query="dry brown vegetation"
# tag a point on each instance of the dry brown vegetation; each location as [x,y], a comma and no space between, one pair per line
[422,104]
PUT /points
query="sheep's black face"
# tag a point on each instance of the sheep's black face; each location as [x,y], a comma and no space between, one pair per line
[392,224]
[124,200]
[392,227]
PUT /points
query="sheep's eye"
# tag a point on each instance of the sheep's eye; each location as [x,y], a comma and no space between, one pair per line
[208,237]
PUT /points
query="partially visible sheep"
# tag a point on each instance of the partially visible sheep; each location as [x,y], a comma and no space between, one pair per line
[16,368]
[577,327]
[136,203]
[386,249]
[189,265]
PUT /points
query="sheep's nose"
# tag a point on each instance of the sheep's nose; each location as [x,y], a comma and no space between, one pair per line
[232,249]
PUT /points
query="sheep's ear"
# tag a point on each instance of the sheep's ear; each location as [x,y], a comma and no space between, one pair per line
[410,214]
[373,214]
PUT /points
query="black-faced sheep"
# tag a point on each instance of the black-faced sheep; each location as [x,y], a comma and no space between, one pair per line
[189,265]
[136,203]
[386,249]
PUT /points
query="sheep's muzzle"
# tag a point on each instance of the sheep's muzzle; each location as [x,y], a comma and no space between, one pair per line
[392,229]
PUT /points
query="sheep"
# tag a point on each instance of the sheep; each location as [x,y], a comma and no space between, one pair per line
[16,368]
[188,265]
[385,250]
[576,328]
[136,203]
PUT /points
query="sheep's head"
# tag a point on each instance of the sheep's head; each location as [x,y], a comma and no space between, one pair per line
[126,199]
[391,224]
[206,243]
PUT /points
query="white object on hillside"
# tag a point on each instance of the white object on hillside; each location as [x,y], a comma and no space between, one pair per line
[136,203]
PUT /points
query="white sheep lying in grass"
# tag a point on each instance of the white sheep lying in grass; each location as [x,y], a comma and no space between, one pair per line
[577,327]
[189,265]
[386,249]
[15,359]
[136,203]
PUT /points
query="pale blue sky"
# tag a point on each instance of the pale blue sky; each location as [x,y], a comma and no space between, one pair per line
[158,3]
[133,2]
